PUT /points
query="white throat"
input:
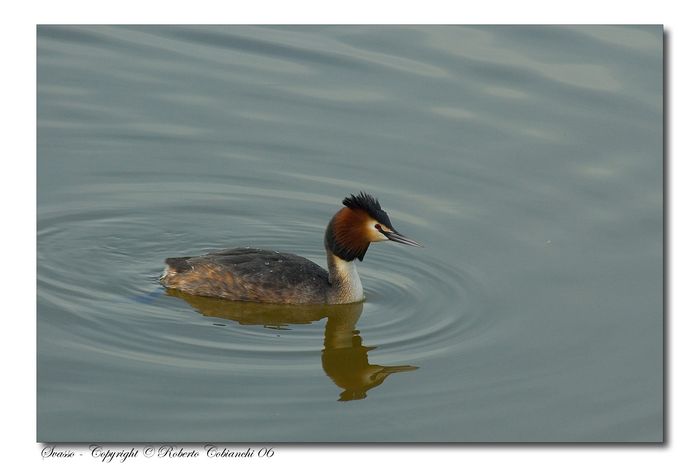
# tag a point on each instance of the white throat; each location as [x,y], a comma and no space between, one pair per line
[345,280]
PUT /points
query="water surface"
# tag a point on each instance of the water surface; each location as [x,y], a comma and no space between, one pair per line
[528,161]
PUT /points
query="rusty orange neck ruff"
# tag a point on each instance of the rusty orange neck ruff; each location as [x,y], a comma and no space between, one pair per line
[346,234]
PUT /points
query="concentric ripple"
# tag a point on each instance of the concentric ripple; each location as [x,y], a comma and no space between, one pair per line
[102,266]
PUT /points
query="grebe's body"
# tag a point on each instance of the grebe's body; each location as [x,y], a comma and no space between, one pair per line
[250,274]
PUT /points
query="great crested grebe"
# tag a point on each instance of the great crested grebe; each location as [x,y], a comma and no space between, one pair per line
[251,274]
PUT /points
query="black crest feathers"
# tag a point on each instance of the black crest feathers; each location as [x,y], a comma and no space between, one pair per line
[370,205]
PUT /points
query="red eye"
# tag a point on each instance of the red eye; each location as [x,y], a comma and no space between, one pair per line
[377,226]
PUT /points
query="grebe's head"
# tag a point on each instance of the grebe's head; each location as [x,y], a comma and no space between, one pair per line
[361,222]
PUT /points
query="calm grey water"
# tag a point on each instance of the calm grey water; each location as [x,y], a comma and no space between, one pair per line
[527,160]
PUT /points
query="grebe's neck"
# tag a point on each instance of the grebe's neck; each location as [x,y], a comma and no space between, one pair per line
[344,243]
[345,282]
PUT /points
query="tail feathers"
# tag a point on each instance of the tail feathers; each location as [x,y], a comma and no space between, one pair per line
[179,264]
[174,266]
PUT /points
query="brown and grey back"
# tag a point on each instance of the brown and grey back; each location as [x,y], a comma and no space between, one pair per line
[249,274]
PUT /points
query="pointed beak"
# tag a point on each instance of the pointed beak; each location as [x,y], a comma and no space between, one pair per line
[398,238]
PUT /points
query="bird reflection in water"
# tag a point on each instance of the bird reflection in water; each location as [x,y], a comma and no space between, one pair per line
[343,358]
